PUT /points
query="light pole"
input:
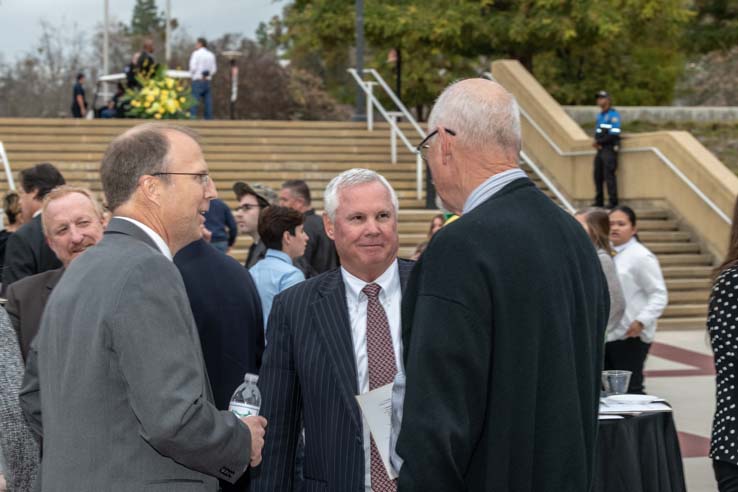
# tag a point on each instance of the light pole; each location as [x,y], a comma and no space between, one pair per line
[359,114]
[232,55]
[106,39]
[168,34]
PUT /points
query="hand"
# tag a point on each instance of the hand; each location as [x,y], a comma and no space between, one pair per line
[634,330]
[596,145]
[257,426]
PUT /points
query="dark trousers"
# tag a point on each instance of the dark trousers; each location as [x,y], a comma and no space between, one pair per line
[605,165]
[726,475]
[628,355]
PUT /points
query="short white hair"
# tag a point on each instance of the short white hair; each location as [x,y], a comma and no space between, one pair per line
[354,177]
[482,113]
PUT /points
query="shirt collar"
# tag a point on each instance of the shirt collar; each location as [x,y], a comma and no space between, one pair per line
[280,255]
[389,281]
[36,213]
[492,185]
[624,246]
[152,234]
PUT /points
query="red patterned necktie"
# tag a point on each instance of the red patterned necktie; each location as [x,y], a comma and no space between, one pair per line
[382,370]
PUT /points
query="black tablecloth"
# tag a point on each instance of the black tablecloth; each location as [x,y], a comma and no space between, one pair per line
[639,454]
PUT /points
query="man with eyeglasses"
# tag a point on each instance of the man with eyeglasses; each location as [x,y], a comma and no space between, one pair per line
[503,318]
[118,356]
[250,204]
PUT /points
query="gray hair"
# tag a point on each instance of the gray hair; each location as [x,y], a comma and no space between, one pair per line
[482,119]
[354,177]
[137,152]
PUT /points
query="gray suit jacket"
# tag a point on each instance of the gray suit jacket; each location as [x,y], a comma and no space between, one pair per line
[116,384]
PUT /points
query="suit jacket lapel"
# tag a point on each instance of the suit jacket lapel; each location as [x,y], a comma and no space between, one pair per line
[405,267]
[50,284]
[333,324]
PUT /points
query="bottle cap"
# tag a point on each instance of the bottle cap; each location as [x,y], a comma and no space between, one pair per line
[251,378]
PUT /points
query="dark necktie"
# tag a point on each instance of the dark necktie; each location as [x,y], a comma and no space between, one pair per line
[382,370]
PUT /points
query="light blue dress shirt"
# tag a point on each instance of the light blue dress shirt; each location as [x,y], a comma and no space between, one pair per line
[492,185]
[272,275]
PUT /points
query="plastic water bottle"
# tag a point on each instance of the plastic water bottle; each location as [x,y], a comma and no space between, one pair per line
[246,400]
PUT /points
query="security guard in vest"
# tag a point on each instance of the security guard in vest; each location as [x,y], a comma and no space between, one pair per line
[607,141]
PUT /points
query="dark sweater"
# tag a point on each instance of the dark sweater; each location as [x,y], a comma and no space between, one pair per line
[503,322]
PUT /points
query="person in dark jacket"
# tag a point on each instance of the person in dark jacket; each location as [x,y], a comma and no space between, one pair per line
[26,252]
[221,224]
[503,318]
[251,201]
[607,143]
[320,252]
[227,312]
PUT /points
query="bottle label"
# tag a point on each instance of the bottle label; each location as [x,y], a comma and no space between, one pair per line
[243,410]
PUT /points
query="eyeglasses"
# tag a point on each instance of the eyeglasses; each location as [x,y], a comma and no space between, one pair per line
[246,207]
[203,178]
[423,147]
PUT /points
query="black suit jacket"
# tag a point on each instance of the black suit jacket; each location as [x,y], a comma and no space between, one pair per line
[503,328]
[227,311]
[309,378]
[27,253]
[26,302]
[320,251]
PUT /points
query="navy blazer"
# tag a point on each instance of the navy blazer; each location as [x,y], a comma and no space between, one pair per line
[309,378]
[227,311]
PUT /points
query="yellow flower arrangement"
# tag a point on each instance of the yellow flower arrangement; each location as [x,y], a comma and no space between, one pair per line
[159,97]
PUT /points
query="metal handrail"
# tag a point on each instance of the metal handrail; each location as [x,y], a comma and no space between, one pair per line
[408,116]
[391,118]
[665,160]
[567,204]
[6,166]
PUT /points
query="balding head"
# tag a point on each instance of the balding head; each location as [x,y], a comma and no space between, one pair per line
[475,134]
[137,152]
[483,114]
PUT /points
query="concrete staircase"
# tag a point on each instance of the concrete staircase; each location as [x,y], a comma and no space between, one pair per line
[271,152]
[686,268]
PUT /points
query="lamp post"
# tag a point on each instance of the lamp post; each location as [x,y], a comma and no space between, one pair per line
[168,34]
[359,114]
[232,55]
[106,39]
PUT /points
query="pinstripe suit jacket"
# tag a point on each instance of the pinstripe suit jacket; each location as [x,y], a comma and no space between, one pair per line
[309,378]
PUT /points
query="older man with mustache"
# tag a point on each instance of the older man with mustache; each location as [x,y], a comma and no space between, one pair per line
[72,221]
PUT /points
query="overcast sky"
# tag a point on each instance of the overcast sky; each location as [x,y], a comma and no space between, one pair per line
[20,28]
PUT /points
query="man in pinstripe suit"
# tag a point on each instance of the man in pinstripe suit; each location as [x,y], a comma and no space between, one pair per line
[333,337]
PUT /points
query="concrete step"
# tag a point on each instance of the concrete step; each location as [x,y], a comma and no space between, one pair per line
[688,284]
[682,323]
[698,296]
[663,236]
[403,157]
[684,311]
[672,248]
[685,260]
[687,271]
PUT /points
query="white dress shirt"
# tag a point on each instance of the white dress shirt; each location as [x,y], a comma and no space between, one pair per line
[152,234]
[644,289]
[202,60]
[390,297]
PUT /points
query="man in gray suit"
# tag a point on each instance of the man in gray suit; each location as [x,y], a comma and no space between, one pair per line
[116,384]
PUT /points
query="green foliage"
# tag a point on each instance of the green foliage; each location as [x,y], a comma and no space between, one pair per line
[146,20]
[715,26]
[575,47]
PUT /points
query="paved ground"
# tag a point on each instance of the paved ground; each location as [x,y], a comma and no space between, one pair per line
[680,369]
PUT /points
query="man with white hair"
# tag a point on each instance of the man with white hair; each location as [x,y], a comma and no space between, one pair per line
[331,338]
[503,318]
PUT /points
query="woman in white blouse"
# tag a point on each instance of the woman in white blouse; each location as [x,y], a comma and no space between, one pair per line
[645,298]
